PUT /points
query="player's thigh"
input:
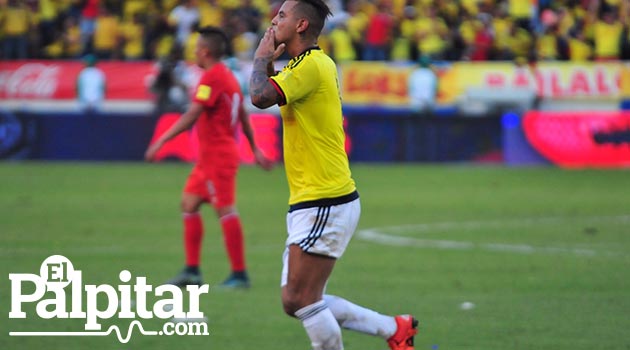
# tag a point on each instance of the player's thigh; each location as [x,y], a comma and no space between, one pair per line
[197,190]
[224,181]
[307,276]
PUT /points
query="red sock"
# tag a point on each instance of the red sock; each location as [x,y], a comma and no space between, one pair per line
[193,235]
[233,238]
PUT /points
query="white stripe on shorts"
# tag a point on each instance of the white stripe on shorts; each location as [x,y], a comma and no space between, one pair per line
[318,227]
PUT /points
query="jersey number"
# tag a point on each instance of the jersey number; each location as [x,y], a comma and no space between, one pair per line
[236,102]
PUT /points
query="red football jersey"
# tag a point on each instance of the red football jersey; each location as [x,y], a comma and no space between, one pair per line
[220,94]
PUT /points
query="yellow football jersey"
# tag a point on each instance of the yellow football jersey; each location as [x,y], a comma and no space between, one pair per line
[315,159]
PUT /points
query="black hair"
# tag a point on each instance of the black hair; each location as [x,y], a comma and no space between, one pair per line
[316,12]
[216,40]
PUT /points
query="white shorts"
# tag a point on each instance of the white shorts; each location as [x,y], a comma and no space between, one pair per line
[324,230]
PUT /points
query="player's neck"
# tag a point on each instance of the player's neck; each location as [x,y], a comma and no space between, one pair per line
[209,63]
[300,46]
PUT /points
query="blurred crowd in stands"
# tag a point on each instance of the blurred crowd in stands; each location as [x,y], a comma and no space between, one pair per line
[395,30]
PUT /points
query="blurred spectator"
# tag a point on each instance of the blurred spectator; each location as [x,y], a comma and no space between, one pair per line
[106,34]
[131,8]
[169,5]
[182,18]
[579,49]
[484,38]
[522,11]
[338,13]
[55,49]
[449,11]
[162,40]
[71,36]
[470,6]
[399,30]
[423,87]
[248,15]
[356,24]
[467,31]
[404,46]
[548,18]
[566,21]
[190,46]
[520,42]
[131,37]
[431,34]
[156,29]
[234,65]
[15,20]
[89,12]
[47,13]
[90,86]
[68,8]
[502,25]
[341,48]
[606,31]
[170,85]
[378,34]
[244,38]
[552,45]
[210,14]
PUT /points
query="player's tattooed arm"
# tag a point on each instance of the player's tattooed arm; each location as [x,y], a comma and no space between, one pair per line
[262,91]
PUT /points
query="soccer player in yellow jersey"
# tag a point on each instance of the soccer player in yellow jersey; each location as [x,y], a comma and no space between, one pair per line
[324,206]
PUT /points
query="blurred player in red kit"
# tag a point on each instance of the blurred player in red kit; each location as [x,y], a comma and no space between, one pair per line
[217,108]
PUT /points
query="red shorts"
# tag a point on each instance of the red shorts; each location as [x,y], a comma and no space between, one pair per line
[216,185]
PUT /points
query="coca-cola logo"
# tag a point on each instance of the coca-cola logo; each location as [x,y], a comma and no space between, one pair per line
[30,80]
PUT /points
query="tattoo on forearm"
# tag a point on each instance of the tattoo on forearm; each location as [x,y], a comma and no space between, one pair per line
[259,86]
[270,69]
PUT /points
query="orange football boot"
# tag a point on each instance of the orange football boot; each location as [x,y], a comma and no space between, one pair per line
[406,330]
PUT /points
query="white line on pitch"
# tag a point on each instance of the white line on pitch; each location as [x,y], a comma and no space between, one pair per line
[378,235]
[479,224]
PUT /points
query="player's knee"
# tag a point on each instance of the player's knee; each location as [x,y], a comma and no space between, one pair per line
[291,302]
[225,211]
[188,206]
[290,307]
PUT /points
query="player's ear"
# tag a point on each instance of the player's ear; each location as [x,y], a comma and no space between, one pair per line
[302,25]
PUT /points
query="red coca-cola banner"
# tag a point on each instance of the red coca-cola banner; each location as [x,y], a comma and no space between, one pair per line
[57,79]
[580,139]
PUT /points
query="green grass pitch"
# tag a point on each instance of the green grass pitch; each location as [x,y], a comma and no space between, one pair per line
[542,253]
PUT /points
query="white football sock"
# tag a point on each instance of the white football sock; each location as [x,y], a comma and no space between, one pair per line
[321,326]
[357,318]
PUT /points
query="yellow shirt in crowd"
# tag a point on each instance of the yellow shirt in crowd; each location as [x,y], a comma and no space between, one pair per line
[106,33]
[132,34]
[342,45]
[607,39]
[579,51]
[210,15]
[520,8]
[16,21]
[547,47]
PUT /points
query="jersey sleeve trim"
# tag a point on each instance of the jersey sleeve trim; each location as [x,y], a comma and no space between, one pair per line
[279,90]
